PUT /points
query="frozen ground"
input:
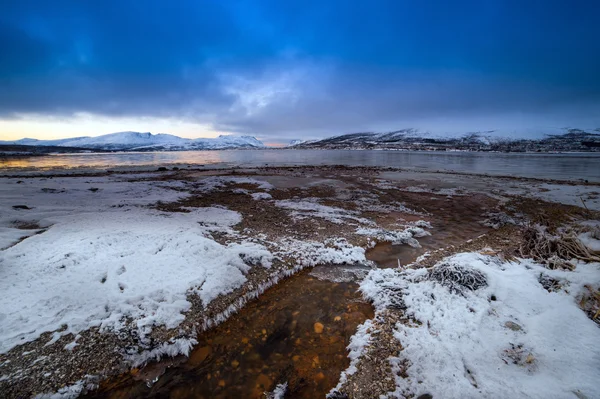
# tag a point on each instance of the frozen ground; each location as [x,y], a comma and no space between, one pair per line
[508,338]
[457,184]
[100,258]
[82,252]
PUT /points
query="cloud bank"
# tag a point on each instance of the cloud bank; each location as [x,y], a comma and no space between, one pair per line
[304,69]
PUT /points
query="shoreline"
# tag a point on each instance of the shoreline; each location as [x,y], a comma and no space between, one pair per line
[313,201]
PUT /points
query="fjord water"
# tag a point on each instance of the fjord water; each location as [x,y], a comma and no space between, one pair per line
[571,166]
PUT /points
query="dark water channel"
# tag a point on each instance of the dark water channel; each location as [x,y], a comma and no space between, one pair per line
[296,331]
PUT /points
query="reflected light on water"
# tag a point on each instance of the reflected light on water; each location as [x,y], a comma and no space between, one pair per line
[572,166]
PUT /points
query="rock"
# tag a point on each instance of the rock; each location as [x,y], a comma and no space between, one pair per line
[93,189]
[425,396]
[163,169]
[513,326]
[21,207]
[318,327]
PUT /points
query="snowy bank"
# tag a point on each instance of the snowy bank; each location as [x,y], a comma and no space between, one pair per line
[101,269]
[506,337]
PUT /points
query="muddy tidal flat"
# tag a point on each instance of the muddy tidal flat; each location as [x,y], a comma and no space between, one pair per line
[298,282]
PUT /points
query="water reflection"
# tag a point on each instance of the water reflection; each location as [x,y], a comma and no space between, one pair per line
[553,166]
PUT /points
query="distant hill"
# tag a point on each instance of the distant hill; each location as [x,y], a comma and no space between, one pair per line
[411,139]
[134,141]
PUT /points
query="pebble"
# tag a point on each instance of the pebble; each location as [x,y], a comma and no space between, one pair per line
[318,327]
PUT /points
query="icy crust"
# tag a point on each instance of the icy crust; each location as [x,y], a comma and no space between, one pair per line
[71,391]
[99,269]
[39,200]
[311,208]
[218,182]
[405,236]
[278,392]
[509,338]
[356,347]
[337,251]
[172,348]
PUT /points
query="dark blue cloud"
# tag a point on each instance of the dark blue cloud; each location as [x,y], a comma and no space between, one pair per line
[273,67]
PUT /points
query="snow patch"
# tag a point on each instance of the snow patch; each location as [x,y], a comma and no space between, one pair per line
[100,268]
[511,338]
[261,196]
[405,236]
[278,392]
[310,208]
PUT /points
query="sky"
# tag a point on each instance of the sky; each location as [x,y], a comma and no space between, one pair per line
[283,70]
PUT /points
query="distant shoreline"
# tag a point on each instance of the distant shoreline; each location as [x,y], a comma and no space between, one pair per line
[8,151]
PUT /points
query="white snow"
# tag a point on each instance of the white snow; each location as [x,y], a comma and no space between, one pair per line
[405,236]
[462,346]
[261,196]
[105,257]
[310,208]
[332,251]
[588,239]
[278,392]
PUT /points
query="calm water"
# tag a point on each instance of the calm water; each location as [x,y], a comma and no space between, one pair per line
[552,166]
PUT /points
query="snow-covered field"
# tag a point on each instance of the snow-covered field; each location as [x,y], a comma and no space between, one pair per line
[510,338]
[100,257]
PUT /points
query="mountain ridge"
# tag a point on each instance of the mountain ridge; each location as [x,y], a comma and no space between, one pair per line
[412,139]
[136,141]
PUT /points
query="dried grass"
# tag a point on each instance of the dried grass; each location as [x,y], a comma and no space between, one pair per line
[457,278]
[590,303]
[554,251]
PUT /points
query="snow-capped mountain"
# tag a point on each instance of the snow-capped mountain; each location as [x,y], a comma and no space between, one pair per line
[412,139]
[296,142]
[134,141]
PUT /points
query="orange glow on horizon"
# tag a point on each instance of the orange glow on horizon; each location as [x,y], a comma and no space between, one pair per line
[50,128]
